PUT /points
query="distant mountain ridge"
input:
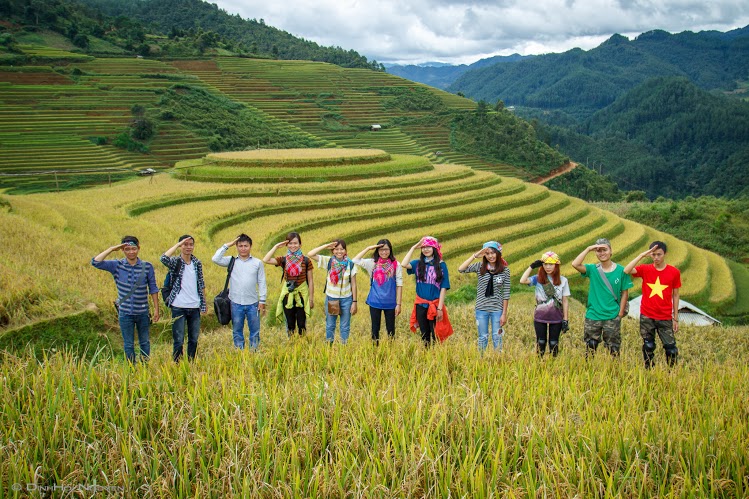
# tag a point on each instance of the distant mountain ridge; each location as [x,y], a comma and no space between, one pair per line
[442,75]
[579,82]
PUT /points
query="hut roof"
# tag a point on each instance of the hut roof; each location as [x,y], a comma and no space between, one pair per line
[688,313]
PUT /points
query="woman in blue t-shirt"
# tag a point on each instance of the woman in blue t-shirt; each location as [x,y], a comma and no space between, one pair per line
[552,303]
[432,282]
[386,286]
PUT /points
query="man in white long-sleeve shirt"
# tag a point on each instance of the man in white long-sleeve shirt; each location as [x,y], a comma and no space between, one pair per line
[247,289]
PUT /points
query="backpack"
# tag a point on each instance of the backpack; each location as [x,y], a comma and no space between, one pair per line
[166,289]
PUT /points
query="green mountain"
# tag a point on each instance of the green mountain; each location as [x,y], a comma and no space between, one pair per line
[579,82]
[253,35]
[173,28]
[667,137]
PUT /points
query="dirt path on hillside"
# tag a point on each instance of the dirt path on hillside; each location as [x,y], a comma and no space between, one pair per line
[555,173]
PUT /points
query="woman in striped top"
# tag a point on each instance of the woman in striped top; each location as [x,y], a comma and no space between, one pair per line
[492,292]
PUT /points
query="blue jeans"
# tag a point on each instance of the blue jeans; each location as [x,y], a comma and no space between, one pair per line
[192,317]
[482,321]
[128,323]
[330,320]
[238,315]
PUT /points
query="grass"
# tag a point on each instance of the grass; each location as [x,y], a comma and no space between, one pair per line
[299,419]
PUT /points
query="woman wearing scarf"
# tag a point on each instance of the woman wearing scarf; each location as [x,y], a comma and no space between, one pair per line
[386,286]
[552,303]
[340,288]
[492,292]
[298,290]
[432,283]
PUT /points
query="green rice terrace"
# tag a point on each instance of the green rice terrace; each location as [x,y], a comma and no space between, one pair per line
[299,165]
[67,121]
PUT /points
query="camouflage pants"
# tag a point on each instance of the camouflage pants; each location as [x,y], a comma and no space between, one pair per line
[610,330]
[665,330]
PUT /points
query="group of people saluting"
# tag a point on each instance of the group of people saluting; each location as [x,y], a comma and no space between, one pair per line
[184,293]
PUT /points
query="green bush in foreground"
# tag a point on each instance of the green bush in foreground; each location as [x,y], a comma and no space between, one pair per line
[301,419]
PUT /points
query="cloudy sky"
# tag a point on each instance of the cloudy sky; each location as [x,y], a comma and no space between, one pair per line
[463,31]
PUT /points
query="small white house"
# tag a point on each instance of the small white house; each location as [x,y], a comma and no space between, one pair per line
[688,313]
[375,128]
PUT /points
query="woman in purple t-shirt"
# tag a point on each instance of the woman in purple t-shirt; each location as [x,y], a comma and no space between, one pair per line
[552,303]
[386,286]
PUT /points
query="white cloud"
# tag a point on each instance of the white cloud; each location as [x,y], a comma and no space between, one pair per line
[463,31]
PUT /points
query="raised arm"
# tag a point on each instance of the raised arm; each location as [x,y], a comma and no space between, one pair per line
[631,265]
[313,253]
[578,264]
[104,254]
[406,263]
[219,258]
[363,252]
[168,253]
[464,266]
[526,277]
[269,258]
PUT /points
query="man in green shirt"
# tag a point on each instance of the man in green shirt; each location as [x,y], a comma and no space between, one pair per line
[606,299]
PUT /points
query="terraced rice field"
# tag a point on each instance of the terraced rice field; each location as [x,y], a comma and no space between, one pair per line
[462,207]
[47,119]
[63,106]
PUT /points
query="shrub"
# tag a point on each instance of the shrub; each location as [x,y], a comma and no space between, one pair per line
[142,128]
[98,140]
[633,196]
[125,141]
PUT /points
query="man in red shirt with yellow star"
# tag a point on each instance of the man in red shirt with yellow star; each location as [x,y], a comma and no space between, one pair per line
[659,310]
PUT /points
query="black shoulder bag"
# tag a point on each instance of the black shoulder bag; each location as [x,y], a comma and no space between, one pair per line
[222,303]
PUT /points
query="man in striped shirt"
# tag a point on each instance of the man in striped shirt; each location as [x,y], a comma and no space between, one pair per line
[135,280]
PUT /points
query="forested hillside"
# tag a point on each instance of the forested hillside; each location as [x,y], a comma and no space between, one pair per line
[661,113]
[668,138]
[164,28]
[581,82]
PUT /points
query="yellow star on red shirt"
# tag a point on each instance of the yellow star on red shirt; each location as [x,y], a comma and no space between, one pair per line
[657,288]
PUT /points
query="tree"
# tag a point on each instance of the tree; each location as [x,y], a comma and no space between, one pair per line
[81,40]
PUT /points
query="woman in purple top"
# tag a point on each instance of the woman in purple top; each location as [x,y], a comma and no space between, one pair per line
[551,316]
[386,286]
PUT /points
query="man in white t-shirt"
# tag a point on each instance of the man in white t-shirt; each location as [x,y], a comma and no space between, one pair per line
[187,296]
